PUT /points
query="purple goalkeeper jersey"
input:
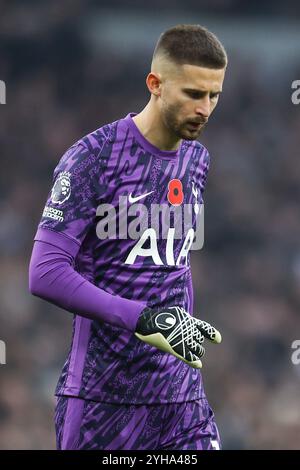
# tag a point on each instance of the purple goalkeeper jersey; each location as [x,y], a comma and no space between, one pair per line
[111,164]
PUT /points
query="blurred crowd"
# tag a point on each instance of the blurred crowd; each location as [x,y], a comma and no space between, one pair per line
[247,276]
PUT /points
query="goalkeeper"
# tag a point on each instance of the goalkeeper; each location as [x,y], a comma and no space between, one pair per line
[131,379]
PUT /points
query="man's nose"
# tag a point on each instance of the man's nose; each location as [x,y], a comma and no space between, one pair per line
[203,107]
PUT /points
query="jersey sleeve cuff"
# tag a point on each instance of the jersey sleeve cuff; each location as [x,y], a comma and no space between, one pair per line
[66,243]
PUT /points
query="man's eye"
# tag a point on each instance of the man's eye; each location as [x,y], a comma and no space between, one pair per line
[193,95]
[212,97]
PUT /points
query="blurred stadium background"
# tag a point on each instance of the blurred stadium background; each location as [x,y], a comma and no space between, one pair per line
[72,66]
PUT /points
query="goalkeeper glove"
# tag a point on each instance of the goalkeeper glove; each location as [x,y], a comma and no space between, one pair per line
[176,332]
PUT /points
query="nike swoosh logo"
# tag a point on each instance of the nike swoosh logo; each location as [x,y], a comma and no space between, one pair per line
[133,199]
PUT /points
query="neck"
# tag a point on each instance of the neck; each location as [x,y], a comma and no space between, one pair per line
[151,125]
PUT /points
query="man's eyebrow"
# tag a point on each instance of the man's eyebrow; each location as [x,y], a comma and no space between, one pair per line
[195,90]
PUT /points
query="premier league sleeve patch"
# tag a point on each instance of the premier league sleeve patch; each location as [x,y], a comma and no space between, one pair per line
[61,190]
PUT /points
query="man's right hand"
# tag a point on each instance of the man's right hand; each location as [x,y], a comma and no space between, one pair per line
[176,332]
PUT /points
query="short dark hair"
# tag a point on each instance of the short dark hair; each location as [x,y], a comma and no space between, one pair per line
[192,44]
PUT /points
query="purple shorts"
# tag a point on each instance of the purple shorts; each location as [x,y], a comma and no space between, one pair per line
[85,424]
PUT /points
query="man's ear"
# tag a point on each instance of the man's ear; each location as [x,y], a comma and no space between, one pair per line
[153,82]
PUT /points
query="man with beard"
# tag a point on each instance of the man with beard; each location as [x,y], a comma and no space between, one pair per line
[132,379]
